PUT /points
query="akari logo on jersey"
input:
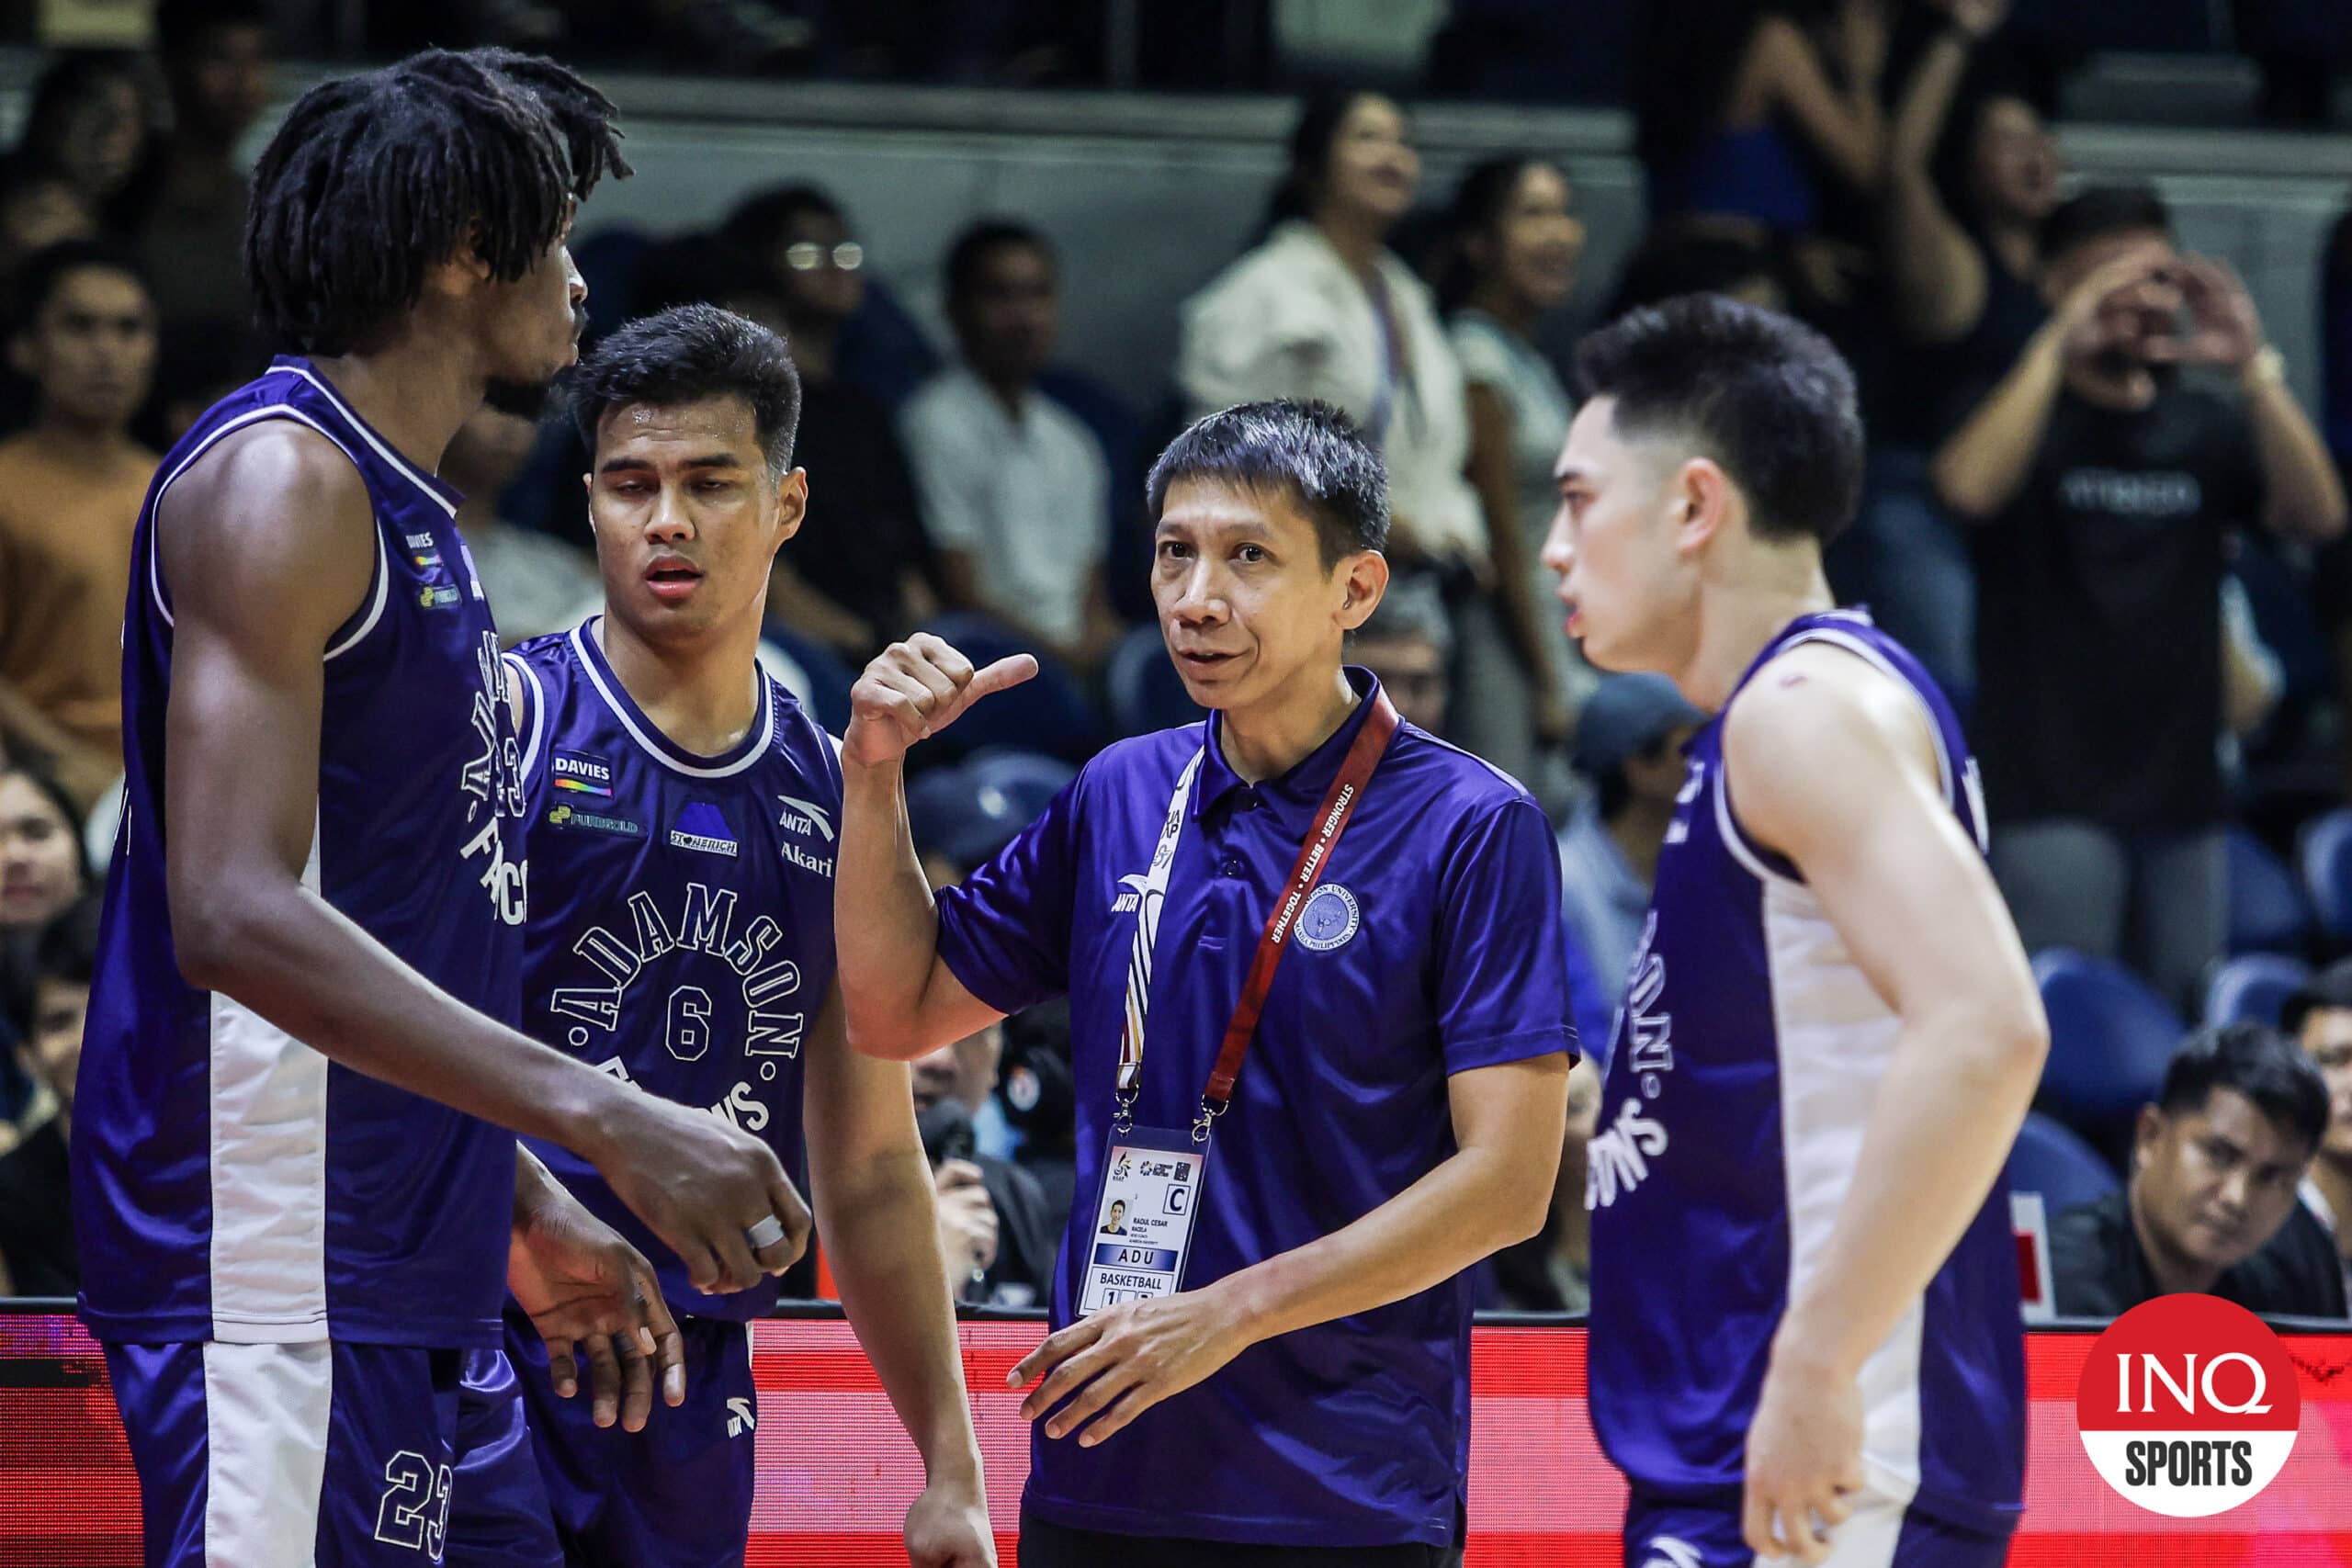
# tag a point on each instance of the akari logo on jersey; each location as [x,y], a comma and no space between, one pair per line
[700,827]
[805,817]
[579,773]
[2189,1406]
[1330,918]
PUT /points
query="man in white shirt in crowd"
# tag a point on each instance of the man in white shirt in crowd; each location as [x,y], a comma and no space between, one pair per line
[1014,488]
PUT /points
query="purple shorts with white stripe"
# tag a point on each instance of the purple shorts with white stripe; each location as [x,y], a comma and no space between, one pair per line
[321,1452]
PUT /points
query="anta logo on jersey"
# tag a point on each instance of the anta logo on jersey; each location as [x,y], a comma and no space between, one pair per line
[701,828]
[1129,901]
[767,981]
[805,817]
[494,780]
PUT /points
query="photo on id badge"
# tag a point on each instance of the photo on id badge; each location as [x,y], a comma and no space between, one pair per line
[1143,1219]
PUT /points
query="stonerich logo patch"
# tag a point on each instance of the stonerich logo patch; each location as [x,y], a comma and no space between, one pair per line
[2189,1406]
[700,827]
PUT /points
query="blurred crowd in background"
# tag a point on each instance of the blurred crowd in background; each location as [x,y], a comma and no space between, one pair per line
[2096,508]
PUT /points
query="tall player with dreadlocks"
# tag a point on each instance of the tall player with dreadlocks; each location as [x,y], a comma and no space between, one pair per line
[298,1199]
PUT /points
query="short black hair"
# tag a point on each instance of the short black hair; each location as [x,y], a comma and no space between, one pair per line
[46,270]
[373,180]
[183,26]
[2258,1062]
[684,355]
[2100,211]
[1309,451]
[1765,396]
[696,269]
[2329,990]
[970,252]
[761,219]
[35,771]
[69,78]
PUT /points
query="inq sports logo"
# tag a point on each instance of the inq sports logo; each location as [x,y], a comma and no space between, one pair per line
[2189,1406]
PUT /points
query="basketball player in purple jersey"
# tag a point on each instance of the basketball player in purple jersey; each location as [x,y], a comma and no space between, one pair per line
[683,811]
[1805,1339]
[297,1200]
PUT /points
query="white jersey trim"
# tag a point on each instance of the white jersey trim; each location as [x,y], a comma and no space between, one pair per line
[538,703]
[266,1412]
[376,607]
[360,426]
[269,1168]
[645,743]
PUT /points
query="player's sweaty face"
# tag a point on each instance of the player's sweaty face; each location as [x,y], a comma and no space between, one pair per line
[687,515]
[1612,545]
[534,322]
[1247,604]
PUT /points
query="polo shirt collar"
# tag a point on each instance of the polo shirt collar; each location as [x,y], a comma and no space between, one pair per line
[1306,780]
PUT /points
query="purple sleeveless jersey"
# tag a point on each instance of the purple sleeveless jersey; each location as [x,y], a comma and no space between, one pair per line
[682,929]
[1747,1055]
[230,1182]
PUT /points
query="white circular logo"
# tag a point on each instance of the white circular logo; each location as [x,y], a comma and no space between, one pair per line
[2189,1406]
[1330,918]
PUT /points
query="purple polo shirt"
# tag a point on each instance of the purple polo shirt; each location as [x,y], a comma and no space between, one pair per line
[1429,948]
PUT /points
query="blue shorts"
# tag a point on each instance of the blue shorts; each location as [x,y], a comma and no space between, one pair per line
[1664,1532]
[336,1453]
[677,1494]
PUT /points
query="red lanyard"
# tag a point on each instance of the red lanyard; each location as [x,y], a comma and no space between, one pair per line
[1331,819]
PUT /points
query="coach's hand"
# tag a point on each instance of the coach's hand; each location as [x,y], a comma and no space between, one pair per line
[1804,1454]
[1124,1360]
[590,1293]
[948,1528]
[915,689]
[702,1184]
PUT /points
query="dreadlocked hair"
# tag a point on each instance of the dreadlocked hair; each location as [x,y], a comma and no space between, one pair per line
[375,179]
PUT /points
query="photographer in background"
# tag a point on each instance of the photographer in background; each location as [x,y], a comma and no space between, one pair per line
[997,1231]
[2103,482]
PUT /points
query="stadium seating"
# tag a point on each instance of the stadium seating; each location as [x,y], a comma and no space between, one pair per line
[2110,1038]
[2254,986]
[2325,854]
[1144,689]
[2050,1160]
[2267,912]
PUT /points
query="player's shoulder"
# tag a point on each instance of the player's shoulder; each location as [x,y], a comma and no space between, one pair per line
[1820,692]
[801,742]
[547,651]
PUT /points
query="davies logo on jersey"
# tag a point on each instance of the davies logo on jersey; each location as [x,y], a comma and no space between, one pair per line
[701,828]
[577,773]
[767,982]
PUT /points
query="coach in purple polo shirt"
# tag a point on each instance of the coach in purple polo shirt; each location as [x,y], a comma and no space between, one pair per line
[1276,1364]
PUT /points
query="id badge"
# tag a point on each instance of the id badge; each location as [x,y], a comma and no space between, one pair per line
[1143,1219]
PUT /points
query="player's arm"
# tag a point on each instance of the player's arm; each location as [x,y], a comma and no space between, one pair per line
[1495,1189]
[1832,764]
[267,549]
[873,1217]
[900,998]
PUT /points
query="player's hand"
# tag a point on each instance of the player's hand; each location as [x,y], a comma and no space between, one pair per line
[915,689]
[2224,328]
[1804,1454]
[1124,1360]
[590,1293]
[948,1528]
[701,1183]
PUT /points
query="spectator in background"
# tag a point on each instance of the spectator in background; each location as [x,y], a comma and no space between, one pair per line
[859,575]
[88,125]
[38,208]
[2319,1016]
[70,491]
[41,868]
[1408,643]
[880,348]
[1735,102]
[2210,1206]
[2104,487]
[216,61]
[37,1253]
[1668,265]
[1629,743]
[1514,241]
[1321,310]
[2332,595]
[1015,490]
[534,581]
